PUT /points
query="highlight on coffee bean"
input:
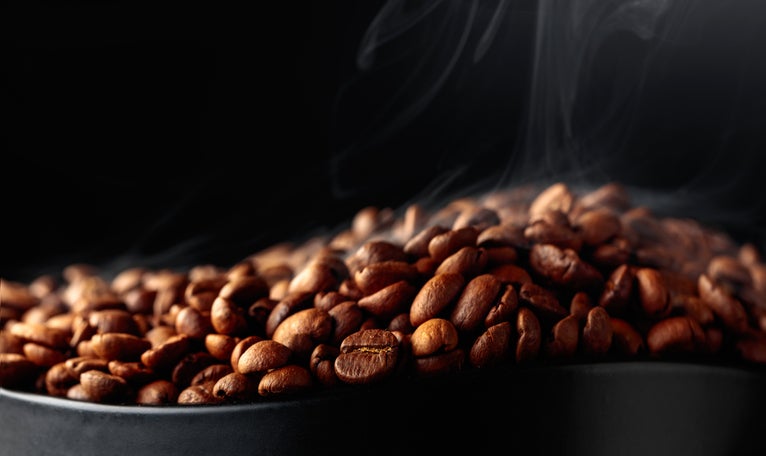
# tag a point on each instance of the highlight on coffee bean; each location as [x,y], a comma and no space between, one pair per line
[511,278]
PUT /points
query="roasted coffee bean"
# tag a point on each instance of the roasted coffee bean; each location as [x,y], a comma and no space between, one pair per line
[500,255]
[193,323]
[474,303]
[503,235]
[367,356]
[618,290]
[511,274]
[43,356]
[529,336]
[244,291]
[263,356]
[134,372]
[556,197]
[752,348]
[347,318]
[676,335]
[597,333]
[119,346]
[492,347]
[168,353]
[303,330]
[235,387]
[626,340]
[322,364]
[436,335]
[435,296]
[211,374]
[291,303]
[580,305]
[417,246]
[503,308]
[227,317]
[158,392]
[401,323]
[374,252]
[102,387]
[563,267]
[16,370]
[561,235]
[564,338]
[220,345]
[652,292]
[544,301]
[80,364]
[183,372]
[727,308]
[197,395]
[478,217]
[598,225]
[376,276]
[286,380]
[159,334]
[445,244]
[468,261]
[389,301]
[439,364]
[39,333]
[200,294]
[240,348]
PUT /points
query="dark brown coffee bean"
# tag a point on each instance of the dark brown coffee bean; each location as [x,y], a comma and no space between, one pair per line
[555,197]
[326,300]
[390,300]
[694,307]
[752,348]
[728,269]
[236,387]
[123,347]
[200,294]
[529,336]
[374,252]
[183,372]
[474,303]
[626,340]
[286,380]
[134,372]
[492,347]
[597,333]
[303,330]
[435,296]
[211,374]
[227,317]
[504,308]
[168,353]
[676,335]
[159,334]
[560,235]
[445,244]
[244,291]
[434,336]
[417,246]
[193,323]
[263,356]
[102,387]
[653,295]
[292,303]
[16,370]
[376,276]
[612,254]
[314,278]
[439,364]
[197,395]
[563,339]
[544,301]
[618,290]
[401,323]
[727,308]
[240,347]
[347,318]
[367,356]
[468,261]
[580,305]
[158,392]
[80,364]
[322,364]
[511,274]
[612,195]
[597,226]
[563,267]
[476,216]
[503,235]
[500,255]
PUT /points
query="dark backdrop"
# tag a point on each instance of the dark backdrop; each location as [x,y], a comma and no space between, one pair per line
[168,134]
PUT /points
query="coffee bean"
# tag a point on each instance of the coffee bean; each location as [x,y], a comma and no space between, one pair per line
[367,356]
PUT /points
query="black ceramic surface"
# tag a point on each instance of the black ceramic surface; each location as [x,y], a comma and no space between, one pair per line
[620,408]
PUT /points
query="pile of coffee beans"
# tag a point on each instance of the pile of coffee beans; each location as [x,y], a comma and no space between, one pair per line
[518,277]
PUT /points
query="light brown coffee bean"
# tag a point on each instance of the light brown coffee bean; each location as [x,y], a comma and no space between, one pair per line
[367,356]
[597,333]
[303,330]
[435,296]
[80,364]
[492,347]
[159,334]
[263,356]
[197,395]
[158,392]
[286,380]
[728,269]
[43,356]
[113,320]
[39,333]
[16,295]
[652,292]
[529,334]
[123,347]
[315,277]
[503,235]
[478,217]
[676,335]
[475,302]
[102,387]
[557,196]
[240,347]
[220,345]
[434,336]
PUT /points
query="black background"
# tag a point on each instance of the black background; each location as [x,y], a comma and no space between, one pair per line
[168,134]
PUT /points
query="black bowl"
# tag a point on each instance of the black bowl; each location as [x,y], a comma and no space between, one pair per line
[615,408]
